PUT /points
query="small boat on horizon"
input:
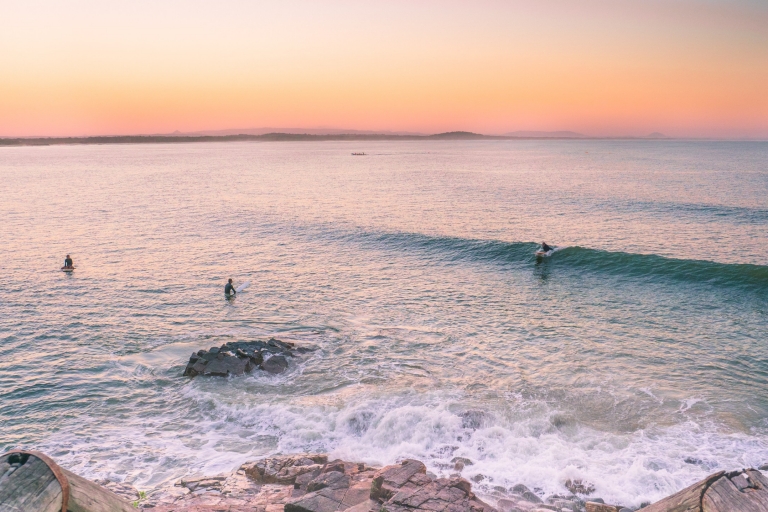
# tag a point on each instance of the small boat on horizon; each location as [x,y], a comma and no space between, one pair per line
[358,154]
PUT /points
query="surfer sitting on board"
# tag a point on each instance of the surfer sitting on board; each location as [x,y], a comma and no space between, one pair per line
[545,247]
[229,288]
[68,262]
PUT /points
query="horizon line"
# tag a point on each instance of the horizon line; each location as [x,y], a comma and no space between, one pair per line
[350,135]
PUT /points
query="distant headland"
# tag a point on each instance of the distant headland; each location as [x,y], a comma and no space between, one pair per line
[281,136]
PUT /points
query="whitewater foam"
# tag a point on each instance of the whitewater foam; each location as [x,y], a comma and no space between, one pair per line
[531,443]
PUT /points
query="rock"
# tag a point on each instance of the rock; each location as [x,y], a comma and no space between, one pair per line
[284,470]
[388,480]
[223,366]
[239,357]
[275,365]
[452,494]
[563,504]
[514,505]
[332,479]
[520,489]
[579,487]
[460,462]
[532,497]
[625,509]
[592,506]
[764,467]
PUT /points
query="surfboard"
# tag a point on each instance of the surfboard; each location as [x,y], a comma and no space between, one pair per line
[243,286]
[65,269]
[547,254]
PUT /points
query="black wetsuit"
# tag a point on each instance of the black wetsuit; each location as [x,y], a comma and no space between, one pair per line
[229,289]
[546,248]
[67,262]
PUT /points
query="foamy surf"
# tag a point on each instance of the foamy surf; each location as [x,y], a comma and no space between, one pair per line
[526,442]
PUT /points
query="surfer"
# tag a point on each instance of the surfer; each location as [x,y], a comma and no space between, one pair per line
[545,247]
[229,289]
[68,262]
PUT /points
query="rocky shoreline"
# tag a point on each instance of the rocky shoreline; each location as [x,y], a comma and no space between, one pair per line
[313,483]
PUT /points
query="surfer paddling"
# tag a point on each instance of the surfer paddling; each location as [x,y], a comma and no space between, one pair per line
[68,264]
[229,289]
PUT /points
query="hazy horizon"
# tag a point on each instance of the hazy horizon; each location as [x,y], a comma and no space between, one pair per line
[687,69]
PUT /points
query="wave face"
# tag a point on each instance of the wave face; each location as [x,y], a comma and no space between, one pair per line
[635,358]
[582,259]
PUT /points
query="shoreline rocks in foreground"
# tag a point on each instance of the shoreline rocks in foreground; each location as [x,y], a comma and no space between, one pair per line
[312,483]
[241,357]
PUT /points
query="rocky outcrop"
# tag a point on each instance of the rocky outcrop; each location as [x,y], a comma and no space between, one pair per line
[240,357]
[311,483]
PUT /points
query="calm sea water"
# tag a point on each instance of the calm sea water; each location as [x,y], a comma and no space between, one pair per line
[636,358]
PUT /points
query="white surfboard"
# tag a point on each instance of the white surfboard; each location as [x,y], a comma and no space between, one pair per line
[243,286]
[547,254]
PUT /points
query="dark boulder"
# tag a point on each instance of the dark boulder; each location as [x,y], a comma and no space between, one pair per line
[225,365]
[275,364]
[239,357]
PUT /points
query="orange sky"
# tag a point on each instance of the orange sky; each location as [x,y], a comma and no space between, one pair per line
[600,67]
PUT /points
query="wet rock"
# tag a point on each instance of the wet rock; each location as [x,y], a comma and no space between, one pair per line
[520,489]
[275,365]
[592,506]
[284,470]
[764,467]
[460,462]
[239,357]
[579,487]
[563,504]
[532,497]
[225,365]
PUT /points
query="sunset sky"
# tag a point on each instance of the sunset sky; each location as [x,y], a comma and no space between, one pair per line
[618,67]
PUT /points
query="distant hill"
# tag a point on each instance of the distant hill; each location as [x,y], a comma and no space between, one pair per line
[458,135]
[656,135]
[545,135]
[291,131]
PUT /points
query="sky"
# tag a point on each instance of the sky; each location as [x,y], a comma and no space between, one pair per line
[686,68]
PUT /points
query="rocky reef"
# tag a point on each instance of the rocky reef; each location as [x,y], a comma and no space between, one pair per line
[240,357]
[312,483]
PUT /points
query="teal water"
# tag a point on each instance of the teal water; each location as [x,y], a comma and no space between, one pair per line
[636,358]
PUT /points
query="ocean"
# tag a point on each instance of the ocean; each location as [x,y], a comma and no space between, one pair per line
[635,358]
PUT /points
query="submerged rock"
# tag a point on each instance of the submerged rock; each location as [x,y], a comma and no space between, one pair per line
[240,357]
